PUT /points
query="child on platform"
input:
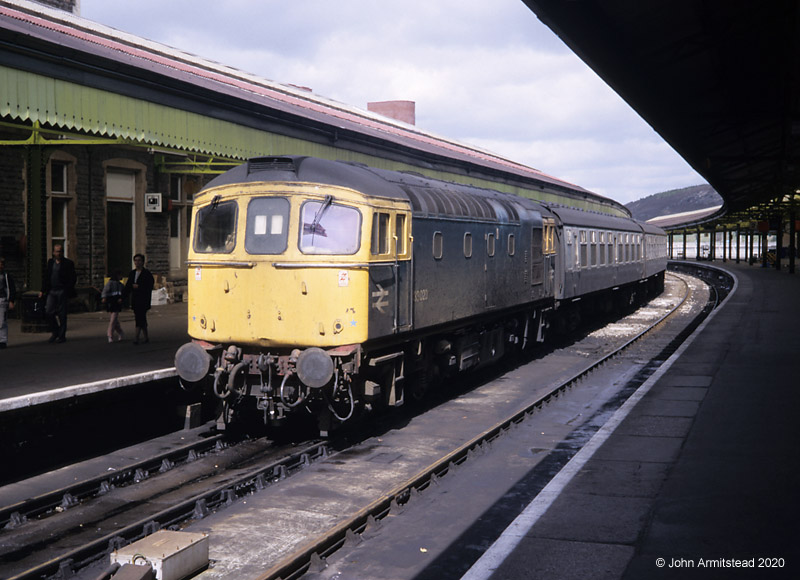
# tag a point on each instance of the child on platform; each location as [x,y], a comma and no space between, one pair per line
[112,298]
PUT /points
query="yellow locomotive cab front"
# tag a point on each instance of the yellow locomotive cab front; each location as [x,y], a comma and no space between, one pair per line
[280,264]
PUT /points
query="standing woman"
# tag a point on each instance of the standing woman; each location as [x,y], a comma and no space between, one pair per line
[8,293]
[140,287]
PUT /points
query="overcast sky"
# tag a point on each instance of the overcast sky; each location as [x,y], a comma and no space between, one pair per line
[484,72]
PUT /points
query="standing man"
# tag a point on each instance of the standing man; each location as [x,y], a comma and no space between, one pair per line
[8,293]
[140,287]
[59,286]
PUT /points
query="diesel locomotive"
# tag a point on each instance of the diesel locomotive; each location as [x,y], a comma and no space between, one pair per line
[332,287]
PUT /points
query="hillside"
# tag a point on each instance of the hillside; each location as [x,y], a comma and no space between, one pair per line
[675,201]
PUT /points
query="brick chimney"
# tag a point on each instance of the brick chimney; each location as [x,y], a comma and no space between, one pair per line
[404,111]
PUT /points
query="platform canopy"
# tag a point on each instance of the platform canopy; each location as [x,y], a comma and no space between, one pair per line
[717,79]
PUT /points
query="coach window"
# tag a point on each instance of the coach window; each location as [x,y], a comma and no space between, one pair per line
[490,245]
[380,234]
[267,220]
[610,247]
[549,241]
[512,244]
[468,245]
[624,248]
[569,253]
[329,228]
[593,248]
[601,249]
[216,228]
[576,255]
[584,250]
[438,245]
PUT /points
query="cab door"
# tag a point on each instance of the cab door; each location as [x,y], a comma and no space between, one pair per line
[403,272]
[390,274]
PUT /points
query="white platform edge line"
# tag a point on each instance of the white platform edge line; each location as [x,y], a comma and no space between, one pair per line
[83,389]
[497,553]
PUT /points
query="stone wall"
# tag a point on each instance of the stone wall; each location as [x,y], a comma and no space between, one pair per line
[12,216]
[86,216]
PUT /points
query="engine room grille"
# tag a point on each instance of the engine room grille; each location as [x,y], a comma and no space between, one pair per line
[270,164]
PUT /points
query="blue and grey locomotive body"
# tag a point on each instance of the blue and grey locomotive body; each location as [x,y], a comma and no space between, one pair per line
[331,286]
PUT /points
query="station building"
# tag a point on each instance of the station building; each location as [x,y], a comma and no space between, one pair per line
[106,137]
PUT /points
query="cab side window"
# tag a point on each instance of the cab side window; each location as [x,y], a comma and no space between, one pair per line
[380,234]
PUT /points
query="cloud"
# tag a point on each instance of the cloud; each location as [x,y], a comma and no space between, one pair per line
[485,73]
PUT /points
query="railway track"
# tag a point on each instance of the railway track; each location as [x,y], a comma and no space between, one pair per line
[66,529]
[79,508]
[313,556]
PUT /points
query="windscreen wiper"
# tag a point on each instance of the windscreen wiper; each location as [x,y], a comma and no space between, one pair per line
[315,228]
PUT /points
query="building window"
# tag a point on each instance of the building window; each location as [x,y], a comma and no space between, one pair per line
[59,197]
[58,177]
[58,227]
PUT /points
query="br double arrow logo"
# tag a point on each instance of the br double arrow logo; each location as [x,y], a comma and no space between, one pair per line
[380,299]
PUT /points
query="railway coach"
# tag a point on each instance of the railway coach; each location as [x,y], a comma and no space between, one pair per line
[331,287]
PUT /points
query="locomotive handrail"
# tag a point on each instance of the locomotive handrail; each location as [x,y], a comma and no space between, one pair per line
[190,263]
[299,265]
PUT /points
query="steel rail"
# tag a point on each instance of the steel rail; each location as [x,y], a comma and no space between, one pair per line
[16,514]
[195,507]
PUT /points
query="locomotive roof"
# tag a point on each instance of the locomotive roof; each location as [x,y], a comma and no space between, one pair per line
[428,197]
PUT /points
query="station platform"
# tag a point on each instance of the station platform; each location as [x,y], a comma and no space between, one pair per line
[697,475]
[31,365]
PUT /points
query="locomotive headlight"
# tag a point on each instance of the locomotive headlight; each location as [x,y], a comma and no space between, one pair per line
[314,367]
